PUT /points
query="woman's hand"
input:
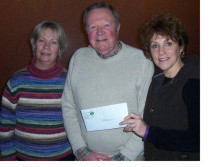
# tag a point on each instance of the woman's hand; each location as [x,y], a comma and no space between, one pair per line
[134,123]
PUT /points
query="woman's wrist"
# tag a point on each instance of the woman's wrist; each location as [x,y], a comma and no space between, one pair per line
[146,133]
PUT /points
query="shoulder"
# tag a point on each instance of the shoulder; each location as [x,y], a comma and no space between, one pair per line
[136,54]
[83,51]
[18,77]
[63,74]
[137,58]
[191,85]
[132,50]
[20,74]
[23,70]
[191,90]
[192,67]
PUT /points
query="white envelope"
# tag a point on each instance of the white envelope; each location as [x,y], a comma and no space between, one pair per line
[105,117]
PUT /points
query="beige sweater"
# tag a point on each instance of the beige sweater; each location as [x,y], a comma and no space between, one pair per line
[94,82]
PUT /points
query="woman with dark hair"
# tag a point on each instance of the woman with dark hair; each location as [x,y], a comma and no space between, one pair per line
[31,123]
[170,127]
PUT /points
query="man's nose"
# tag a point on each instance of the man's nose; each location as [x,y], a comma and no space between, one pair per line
[100,30]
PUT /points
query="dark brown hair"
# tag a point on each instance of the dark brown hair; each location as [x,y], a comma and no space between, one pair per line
[164,25]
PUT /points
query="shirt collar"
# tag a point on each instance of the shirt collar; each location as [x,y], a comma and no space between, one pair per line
[119,47]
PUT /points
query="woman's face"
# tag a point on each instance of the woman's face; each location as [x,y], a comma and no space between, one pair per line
[166,54]
[46,49]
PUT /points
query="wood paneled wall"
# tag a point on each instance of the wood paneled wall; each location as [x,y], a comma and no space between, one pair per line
[19,17]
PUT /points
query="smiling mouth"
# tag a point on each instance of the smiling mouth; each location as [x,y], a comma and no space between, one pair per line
[164,59]
[45,54]
[100,40]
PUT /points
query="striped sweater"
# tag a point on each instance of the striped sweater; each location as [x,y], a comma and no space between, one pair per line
[31,123]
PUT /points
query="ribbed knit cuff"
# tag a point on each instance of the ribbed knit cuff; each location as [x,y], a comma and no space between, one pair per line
[146,133]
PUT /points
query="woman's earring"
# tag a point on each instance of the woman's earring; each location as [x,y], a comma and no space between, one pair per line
[151,59]
[182,55]
[59,53]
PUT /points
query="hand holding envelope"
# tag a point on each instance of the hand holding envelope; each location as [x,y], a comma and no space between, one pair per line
[105,117]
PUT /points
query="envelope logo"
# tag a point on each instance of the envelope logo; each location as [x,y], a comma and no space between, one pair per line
[89,115]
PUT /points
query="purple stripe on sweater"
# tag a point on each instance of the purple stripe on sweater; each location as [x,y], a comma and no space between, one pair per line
[30,145]
[47,112]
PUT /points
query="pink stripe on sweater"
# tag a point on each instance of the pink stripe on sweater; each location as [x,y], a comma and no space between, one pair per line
[6,129]
[13,158]
[41,95]
[7,95]
[39,130]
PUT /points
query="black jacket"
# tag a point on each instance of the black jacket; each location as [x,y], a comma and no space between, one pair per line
[172,110]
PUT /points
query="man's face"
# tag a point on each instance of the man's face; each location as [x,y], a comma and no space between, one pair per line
[102,31]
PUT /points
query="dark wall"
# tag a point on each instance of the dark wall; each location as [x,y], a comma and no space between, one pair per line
[19,17]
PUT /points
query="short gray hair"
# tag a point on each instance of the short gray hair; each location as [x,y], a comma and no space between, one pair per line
[54,27]
[100,5]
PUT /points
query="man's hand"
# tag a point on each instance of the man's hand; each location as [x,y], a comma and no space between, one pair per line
[110,159]
[96,157]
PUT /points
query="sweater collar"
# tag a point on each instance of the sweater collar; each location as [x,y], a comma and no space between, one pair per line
[119,47]
[45,74]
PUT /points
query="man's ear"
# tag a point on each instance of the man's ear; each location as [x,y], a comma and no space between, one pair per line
[118,28]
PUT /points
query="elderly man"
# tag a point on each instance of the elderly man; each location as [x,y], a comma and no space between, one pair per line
[105,73]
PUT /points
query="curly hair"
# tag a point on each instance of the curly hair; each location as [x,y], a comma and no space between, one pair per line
[164,25]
